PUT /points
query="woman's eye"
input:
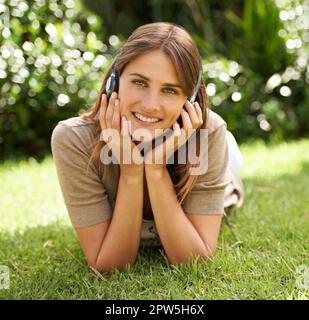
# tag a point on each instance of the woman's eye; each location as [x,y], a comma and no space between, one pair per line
[143,84]
[138,82]
[170,90]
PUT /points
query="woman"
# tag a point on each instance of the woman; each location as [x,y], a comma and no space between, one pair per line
[119,206]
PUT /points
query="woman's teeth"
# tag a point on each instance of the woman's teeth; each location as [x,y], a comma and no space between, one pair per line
[145,119]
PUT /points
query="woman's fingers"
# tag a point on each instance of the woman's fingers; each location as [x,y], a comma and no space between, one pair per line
[124,127]
[186,120]
[176,128]
[199,112]
[192,113]
[102,112]
[110,110]
[116,116]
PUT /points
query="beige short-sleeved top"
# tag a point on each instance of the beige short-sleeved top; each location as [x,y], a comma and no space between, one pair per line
[90,198]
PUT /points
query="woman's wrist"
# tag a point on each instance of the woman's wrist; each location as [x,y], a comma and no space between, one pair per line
[132,173]
[155,171]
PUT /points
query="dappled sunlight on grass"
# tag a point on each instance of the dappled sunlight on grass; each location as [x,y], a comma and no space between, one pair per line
[260,246]
[32,195]
[267,162]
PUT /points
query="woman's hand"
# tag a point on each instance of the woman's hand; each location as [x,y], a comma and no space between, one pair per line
[191,119]
[116,134]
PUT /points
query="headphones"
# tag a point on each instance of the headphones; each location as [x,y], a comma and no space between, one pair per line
[112,82]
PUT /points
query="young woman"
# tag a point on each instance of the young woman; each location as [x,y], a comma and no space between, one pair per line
[117,207]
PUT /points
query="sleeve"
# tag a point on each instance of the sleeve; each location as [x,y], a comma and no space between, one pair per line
[207,194]
[85,196]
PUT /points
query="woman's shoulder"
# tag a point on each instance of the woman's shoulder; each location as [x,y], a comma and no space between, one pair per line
[214,121]
[77,121]
[74,130]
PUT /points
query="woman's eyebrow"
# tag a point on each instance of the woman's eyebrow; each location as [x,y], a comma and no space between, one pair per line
[147,79]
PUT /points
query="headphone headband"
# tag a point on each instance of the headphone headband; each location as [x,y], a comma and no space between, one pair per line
[198,84]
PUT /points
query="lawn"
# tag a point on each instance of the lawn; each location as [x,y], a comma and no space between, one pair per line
[261,246]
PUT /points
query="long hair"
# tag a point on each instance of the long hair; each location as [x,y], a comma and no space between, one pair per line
[177,44]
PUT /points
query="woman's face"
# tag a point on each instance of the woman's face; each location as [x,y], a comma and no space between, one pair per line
[149,87]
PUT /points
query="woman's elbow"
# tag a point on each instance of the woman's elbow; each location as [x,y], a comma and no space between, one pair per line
[207,255]
[109,268]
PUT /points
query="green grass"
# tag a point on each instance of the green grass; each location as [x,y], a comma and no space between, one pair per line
[257,254]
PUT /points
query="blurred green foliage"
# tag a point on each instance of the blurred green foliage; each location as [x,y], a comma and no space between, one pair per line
[51,65]
[53,55]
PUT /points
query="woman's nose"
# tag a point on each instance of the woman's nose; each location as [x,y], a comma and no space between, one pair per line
[151,103]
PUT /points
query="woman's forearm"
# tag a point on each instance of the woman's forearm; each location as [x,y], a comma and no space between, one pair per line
[121,243]
[178,236]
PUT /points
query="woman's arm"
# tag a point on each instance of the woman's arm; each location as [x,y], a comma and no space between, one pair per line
[179,236]
[115,243]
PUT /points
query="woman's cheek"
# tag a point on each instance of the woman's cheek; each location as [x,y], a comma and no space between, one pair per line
[135,94]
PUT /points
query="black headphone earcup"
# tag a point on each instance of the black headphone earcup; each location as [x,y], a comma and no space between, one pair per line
[112,84]
[116,88]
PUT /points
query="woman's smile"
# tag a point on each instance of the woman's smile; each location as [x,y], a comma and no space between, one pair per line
[145,120]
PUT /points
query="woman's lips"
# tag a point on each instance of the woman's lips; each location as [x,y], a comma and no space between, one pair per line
[144,123]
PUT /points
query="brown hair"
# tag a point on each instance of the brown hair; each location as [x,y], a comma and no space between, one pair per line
[178,45]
